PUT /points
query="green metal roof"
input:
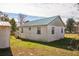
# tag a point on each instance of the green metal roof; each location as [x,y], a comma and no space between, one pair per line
[44,21]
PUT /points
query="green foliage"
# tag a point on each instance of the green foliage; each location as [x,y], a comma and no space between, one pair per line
[70,25]
[4,19]
[13,24]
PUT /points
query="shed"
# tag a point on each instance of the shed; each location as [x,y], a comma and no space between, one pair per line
[46,30]
[4,34]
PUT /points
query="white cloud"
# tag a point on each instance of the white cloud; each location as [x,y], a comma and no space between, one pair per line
[41,9]
[13,1]
[38,9]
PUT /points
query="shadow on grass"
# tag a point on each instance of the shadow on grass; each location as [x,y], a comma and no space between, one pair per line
[62,43]
[66,43]
[5,52]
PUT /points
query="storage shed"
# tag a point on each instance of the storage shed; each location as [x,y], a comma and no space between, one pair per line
[4,34]
[46,30]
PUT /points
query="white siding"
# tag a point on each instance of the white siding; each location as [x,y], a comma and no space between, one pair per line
[32,34]
[57,33]
[45,35]
[4,37]
[57,24]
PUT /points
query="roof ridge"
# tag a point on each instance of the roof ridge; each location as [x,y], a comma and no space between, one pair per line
[43,21]
[45,18]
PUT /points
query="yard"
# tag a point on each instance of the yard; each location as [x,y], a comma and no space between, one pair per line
[20,47]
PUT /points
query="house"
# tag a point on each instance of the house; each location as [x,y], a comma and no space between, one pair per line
[4,34]
[76,27]
[46,30]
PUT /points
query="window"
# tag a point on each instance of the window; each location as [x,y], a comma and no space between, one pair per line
[52,30]
[61,30]
[38,30]
[21,30]
[29,28]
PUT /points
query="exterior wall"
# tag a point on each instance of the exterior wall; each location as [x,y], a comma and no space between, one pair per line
[45,35]
[57,22]
[57,33]
[4,37]
[77,28]
[32,34]
[22,35]
[58,25]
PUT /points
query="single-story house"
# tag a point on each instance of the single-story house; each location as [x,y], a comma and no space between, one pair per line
[46,30]
[5,28]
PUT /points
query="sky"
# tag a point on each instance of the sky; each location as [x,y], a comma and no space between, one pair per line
[39,9]
[65,10]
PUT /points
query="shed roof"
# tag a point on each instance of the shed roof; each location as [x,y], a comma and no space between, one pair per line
[43,21]
[3,23]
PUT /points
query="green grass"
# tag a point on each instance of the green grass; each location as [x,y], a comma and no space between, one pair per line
[34,48]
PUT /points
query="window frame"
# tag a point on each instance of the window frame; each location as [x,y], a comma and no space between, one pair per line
[61,30]
[21,30]
[38,30]
[53,30]
[29,28]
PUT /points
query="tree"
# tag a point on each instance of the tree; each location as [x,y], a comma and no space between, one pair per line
[13,25]
[77,6]
[4,16]
[21,20]
[1,13]
[70,25]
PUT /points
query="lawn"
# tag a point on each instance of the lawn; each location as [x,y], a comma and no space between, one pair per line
[74,36]
[20,47]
